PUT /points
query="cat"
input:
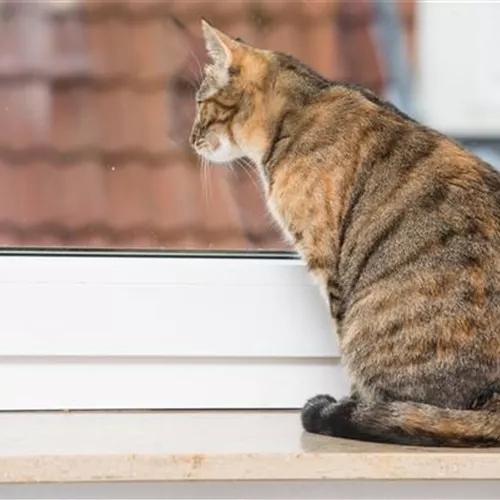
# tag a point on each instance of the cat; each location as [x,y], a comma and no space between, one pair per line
[398,224]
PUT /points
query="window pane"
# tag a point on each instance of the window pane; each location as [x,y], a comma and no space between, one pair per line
[97,103]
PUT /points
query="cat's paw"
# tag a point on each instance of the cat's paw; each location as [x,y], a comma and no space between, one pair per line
[311,412]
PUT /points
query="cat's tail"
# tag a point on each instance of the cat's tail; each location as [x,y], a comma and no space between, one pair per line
[405,422]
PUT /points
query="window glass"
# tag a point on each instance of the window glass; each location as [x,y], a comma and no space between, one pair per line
[97,102]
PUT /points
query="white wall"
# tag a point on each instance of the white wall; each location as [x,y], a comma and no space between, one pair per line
[458,81]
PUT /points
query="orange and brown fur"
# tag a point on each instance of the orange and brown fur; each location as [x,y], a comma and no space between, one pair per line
[399,225]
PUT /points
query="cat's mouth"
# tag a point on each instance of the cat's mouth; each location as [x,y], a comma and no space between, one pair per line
[213,156]
[209,144]
[216,149]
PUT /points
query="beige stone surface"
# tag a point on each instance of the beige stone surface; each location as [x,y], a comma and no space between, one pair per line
[180,446]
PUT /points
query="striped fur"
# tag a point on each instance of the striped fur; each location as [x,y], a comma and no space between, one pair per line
[399,225]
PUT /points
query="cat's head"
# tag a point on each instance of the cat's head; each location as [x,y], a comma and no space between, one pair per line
[231,101]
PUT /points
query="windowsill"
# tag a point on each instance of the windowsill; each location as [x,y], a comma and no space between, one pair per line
[224,446]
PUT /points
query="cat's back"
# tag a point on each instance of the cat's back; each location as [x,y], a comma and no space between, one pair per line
[386,193]
[419,262]
[378,176]
[417,192]
[417,202]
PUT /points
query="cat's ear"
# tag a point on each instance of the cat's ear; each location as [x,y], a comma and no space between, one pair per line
[220,47]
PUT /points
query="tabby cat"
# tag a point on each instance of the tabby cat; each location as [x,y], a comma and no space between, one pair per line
[398,224]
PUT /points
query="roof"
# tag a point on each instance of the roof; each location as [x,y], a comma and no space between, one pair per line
[96,104]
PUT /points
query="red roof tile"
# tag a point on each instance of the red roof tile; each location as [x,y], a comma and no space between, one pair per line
[8,216]
[323,32]
[11,42]
[127,197]
[105,43]
[81,184]
[407,9]
[360,57]
[175,202]
[71,120]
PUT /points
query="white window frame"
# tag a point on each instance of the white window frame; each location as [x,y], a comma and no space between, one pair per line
[154,330]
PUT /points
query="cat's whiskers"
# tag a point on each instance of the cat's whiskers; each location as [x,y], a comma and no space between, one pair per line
[203,178]
[208,179]
[194,84]
[198,64]
[247,168]
[230,167]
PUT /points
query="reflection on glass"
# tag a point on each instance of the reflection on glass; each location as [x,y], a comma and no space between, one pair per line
[96,105]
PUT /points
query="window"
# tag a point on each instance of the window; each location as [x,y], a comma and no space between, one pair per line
[129,276]
[97,104]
